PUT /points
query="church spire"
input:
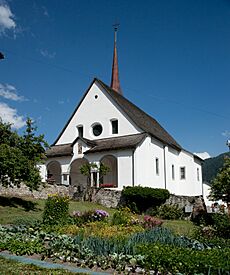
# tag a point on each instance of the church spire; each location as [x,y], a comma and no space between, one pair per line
[115,83]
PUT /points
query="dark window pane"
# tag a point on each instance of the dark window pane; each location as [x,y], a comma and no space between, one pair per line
[80,131]
[115,126]
[97,129]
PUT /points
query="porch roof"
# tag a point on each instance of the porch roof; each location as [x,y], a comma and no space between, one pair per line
[60,150]
[115,143]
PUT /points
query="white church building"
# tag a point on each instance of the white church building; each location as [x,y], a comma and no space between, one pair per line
[107,128]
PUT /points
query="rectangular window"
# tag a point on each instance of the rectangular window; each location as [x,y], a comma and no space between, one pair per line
[114,126]
[157,166]
[80,131]
[65,177]
[182,173]
[198,174]
[173,172]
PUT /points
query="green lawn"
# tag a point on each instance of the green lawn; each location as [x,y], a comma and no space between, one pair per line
[180,227]
[10,267]
[13,209]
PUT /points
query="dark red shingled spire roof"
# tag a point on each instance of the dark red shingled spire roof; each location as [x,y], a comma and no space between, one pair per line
[115,83]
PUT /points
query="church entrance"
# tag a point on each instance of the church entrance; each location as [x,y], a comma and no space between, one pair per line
[110,179]
[78,182]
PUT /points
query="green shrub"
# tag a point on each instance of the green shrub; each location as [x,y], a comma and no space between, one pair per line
[121,216]
[221,223]
[170,259]
[144,197]
[56,211]
[169,212]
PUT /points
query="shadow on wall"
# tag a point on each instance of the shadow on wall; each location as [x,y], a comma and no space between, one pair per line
[18,202]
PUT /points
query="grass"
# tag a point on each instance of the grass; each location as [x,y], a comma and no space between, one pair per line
[10,267]
[13,209]
[180,227]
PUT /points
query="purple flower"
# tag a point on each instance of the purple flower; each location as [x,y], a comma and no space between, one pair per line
[101,213]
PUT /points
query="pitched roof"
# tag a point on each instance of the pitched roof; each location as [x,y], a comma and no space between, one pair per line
[85,140]
[60,150]
[140,118]
[115,143]
[99,145]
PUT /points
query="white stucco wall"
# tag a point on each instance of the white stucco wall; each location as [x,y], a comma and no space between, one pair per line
[145,164]
[124,165]
[145,168]
[190,186]
[97,110]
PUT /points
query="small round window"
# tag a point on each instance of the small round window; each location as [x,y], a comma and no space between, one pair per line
[97,129]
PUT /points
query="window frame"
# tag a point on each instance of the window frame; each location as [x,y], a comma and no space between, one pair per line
[97,124]
[182,172]
[173,172]
[157,166]
[114,126]
[198,173]
[80,130]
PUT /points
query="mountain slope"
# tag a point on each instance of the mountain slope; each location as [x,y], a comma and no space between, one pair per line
[211,166]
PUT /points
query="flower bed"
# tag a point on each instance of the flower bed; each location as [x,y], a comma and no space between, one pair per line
[156,249]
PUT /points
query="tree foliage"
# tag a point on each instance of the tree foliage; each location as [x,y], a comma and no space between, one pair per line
[85,170]
[220,188]
[20,155]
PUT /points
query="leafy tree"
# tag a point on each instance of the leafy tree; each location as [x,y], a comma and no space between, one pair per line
[220,188]
[85,169]
[20,155]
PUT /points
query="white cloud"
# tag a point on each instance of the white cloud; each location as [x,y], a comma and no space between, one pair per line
[45,11]
[9,92]
[204,155]
[48,54]
[226,133]
[9,115]
[6,18]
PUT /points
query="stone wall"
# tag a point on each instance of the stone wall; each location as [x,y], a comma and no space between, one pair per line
[106,197]
[42,193]
[113,198]
[182,201]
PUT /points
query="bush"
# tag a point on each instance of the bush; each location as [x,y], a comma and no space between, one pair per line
[150,222]
[168,259]
[144,197]
[122,216]
[169,212]
[89,216]
[221,223]
[56,211]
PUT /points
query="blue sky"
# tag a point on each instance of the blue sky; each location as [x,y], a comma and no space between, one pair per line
[174,62]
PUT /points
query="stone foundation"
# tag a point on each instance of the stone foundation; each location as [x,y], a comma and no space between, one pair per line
[106,197]
[42,193]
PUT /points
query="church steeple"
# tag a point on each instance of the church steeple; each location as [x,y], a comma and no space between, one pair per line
[115,83]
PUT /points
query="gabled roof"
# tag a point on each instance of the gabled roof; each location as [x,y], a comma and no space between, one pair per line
[139,117]
[115,143]
[85,140]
